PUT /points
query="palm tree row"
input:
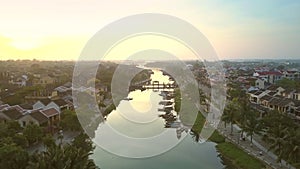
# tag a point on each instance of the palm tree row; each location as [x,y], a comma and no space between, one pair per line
[277,129]
[284,137]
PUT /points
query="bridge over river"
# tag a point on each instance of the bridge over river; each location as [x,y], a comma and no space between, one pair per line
[154,85]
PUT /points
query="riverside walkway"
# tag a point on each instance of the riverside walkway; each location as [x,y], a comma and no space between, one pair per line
[255,148]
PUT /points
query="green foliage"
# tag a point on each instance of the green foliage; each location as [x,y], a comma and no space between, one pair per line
[33,133]
[70,156]
[69,121]
[20,140]
[13,157]
[288,84]
[217,137]
[283,135]
[48,141]
[238,157]
[18,97]
[230,114]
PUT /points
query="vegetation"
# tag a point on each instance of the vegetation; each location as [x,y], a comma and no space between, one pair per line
[283,135]
[69,156]
[288,84]
[238,157]
[278,130]
[69,121]
[230,114]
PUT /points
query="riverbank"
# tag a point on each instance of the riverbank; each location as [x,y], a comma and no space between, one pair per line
[236,156]
[230,152]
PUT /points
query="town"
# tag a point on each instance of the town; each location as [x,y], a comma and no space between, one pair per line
[36,102]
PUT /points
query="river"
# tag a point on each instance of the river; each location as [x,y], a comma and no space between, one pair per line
[139,118]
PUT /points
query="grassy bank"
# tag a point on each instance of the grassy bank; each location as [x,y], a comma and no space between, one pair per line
[238,157]
[231,153]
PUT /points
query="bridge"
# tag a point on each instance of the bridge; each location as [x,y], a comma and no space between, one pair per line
[155,85]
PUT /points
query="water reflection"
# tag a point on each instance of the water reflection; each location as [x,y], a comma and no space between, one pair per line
[149,114]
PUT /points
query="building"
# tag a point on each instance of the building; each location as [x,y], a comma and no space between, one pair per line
[270,76]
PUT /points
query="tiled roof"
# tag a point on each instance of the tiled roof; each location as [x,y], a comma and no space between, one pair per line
[272,93]
[26,106]
[45,101]
[272,87]
[13,113]
[40,117]
[279,101]
[266,98]
[60,102]
[270,73]
[50,112]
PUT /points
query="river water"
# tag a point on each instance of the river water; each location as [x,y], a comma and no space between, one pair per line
[139,118]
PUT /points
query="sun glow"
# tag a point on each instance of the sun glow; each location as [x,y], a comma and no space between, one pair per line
[25,44]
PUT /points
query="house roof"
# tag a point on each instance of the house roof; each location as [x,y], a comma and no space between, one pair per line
[40,117]
[258,92]
[61,89]
[270,73]
[45,101]
[13,113]
[273,87]
[280,101]
[60,102]
[26,106]
[259,107]
[50,112]
[272,93]
[266,98]
[68,84]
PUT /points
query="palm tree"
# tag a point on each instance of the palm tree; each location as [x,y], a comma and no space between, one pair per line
[252,126]
[277,136]
[230,114]
[292,146]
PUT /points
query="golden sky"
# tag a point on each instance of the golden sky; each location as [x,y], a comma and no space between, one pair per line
[59,29]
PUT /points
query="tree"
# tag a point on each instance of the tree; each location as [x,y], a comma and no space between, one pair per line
[292,146]
[252,126]
[13,156]
[20,140]
[69,156]
[70,121]
[230,114]
[48,141]
[33,133]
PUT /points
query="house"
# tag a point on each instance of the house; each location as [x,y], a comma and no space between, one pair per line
[19,81]
[43,80]
[256,95]
[33,117]
[270,76]
[40,104]
[277,89]
[63,91]
[296,95]
[288,93]
[261,83]
[58,104]
[8,113]
[291,74]
[281,104]
[53,116]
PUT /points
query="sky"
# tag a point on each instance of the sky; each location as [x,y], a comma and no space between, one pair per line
[59,29]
